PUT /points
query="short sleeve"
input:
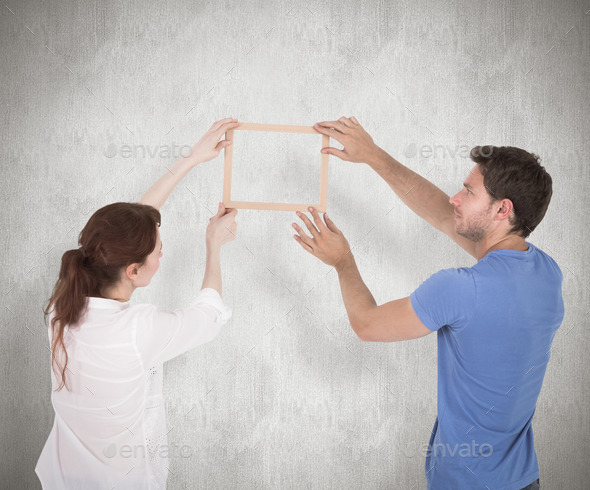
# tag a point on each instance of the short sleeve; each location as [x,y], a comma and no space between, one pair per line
[445,298]
[163,335]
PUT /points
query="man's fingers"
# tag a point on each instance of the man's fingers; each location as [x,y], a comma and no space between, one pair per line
[337,125]
[346,121]
[353,119]
[317,220]
[303,244]
[302,236]
[335,151]
[312,229]
[332,133]
[330,224]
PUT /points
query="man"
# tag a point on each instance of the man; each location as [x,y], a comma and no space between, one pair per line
[495,321]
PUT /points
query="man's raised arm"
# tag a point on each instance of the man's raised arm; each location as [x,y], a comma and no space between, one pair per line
[419,194]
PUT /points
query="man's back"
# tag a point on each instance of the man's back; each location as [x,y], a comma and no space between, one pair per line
[495,322]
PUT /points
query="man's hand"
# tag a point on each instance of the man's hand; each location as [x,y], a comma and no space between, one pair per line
[327,242]
[358,144]
[209,146]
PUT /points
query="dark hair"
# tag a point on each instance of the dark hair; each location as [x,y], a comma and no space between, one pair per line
[515,174]
[115,236]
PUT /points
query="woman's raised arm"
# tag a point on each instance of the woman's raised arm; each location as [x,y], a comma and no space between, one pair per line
[207,148]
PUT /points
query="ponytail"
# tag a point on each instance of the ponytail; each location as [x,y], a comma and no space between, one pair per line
[69,303]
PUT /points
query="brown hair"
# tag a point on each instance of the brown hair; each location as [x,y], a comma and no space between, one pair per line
[515,174]
[115,236]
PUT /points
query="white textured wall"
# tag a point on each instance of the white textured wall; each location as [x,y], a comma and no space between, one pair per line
[287,396]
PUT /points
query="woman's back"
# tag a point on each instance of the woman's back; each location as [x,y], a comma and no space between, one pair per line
[110,424]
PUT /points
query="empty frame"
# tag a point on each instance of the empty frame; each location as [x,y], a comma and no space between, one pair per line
[277,206]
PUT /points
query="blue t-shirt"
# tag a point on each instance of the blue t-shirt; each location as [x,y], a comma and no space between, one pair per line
[495,323]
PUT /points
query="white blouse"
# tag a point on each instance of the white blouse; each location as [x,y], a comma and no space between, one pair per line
[110,429]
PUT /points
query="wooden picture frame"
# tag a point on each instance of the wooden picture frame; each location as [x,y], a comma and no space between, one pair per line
[276,206]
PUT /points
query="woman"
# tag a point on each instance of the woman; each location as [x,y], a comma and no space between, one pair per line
[107,354]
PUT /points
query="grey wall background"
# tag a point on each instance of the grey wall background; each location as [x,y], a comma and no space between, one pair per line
[287,396]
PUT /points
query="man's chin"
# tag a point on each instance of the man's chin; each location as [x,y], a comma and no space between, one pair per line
[464,234]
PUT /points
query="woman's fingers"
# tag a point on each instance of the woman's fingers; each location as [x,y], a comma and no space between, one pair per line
[222,144]
[216,125]
[222,226]
[224,128]
[220,210]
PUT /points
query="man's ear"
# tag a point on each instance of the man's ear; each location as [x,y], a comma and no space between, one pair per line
[505,209]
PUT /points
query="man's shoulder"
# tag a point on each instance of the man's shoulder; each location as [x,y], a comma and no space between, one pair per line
[455,274]
[447,297]
[453,279]
[551,262]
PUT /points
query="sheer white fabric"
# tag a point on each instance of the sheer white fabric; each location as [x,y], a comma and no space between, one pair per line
[110,427]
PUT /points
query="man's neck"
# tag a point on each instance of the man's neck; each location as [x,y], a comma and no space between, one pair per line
[510,242]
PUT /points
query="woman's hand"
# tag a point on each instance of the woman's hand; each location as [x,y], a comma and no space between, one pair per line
[222,227]
[209,146]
